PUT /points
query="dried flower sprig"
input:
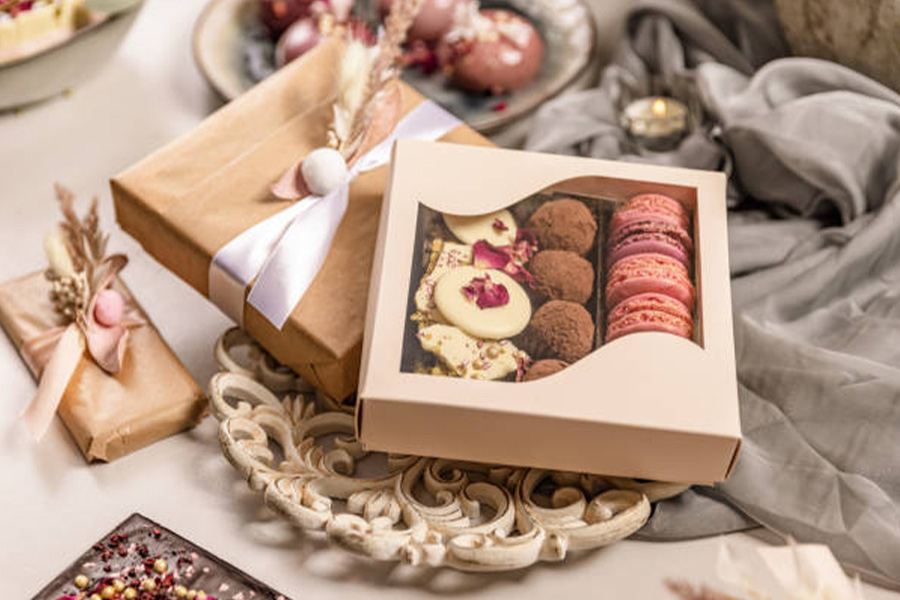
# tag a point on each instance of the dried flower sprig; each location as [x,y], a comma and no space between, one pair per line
[355,66]
[365,110]
[77,255]
[84,240]
[364,74]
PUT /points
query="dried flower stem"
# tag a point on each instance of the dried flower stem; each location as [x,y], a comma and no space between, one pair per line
[384,66]
[84,240]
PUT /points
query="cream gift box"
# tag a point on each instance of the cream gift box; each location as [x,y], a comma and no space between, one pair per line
[649,404]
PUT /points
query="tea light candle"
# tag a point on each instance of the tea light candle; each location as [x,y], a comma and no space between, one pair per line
[656,123]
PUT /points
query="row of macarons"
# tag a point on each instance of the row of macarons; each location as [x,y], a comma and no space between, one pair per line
[649,256]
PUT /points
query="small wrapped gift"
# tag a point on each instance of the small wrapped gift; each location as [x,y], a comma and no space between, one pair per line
[194,204]
[102,364]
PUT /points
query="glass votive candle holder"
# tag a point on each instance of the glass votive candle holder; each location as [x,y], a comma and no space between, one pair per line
[656,123]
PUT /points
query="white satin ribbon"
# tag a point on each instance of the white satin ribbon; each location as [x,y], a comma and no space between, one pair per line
[285,252]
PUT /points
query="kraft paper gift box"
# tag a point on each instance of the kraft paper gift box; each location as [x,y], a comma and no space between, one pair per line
[649,404]
[109,416]
[189,199]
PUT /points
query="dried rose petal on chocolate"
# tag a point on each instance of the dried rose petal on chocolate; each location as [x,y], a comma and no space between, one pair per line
[498,225]
[486,255]
[503,258]
[525,246]
[486,293]
[522,362]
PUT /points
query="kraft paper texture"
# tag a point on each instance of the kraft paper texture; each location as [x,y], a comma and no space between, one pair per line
[190,198]
[109,416]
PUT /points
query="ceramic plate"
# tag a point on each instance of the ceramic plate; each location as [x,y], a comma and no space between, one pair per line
[56,63]
[233,53]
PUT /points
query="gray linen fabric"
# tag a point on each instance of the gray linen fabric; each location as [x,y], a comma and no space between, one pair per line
[813,154]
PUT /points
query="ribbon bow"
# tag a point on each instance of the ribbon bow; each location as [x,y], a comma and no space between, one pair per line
[55,353]
[285,252]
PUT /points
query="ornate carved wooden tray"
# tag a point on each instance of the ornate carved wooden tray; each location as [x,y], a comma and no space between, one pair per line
[298,449]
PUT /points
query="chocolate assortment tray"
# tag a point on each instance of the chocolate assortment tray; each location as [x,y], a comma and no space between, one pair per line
[141,560]
[521,293]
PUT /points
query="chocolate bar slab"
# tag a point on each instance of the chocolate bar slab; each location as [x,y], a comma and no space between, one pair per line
[142,560]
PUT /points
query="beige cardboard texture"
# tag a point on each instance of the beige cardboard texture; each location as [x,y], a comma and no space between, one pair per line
[648,405]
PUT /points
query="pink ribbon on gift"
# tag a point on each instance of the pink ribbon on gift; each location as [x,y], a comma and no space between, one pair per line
[285,252]
[55,354]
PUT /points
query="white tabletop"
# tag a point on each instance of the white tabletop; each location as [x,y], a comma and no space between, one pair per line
[54,506]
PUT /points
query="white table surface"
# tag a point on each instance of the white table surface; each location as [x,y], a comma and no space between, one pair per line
[53,505]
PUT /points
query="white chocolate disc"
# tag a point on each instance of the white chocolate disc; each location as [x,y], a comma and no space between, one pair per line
[471,228]
[492,323]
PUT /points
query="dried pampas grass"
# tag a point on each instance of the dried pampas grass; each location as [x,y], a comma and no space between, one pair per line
[356,64]
[84,241]
[364,73]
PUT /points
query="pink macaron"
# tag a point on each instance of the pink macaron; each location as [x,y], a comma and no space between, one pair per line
[642,273]
[649,312]
[667,208]
[650,235]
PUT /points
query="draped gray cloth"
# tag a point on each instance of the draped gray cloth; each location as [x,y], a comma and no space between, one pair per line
[813,154]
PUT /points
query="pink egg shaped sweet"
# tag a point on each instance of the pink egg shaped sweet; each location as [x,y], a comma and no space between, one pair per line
[300,38]
[434,19]
[491,50]
[109,307]
[278,15]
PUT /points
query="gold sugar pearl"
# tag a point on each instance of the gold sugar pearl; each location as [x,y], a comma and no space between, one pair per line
[107,592]
[191,595]
[492,352]
[130,594]
[95,597]
[201,595]
[180,591]
[81,581]
[160,566]
[149,585]
[119,585]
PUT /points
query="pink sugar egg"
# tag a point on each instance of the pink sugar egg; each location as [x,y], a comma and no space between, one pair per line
[109,308]
[503,52]
[300,38]
[277,15]
[434,19]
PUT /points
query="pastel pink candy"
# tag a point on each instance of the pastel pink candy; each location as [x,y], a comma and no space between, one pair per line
[648,237]
[109,307]
[649,312]
[643,273]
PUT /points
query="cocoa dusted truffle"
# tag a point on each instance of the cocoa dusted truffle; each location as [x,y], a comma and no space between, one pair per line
[564,224]
[560,329]
[562,275]
[544,368]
